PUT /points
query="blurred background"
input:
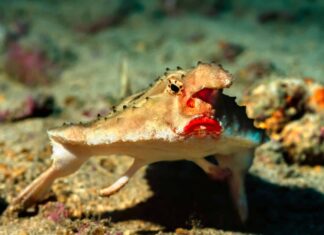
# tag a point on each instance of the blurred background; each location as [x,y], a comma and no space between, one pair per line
[67,60]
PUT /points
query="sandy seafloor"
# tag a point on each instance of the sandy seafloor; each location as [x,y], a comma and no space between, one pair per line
[165,198]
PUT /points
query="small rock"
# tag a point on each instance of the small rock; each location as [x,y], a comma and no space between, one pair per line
[230,51]
[275,16]
[31,106]
[255,70]
[182,231]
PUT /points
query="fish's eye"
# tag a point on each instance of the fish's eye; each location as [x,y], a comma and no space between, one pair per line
[174,86]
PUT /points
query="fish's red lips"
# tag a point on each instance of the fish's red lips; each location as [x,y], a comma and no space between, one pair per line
[203,126]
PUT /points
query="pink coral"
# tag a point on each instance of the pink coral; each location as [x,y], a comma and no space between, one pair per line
[56,212]
[28,66]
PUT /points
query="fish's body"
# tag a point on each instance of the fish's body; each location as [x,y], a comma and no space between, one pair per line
[184,115]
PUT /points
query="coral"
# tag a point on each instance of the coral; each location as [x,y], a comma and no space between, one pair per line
[291,111]
[55,211]
[274,104]
[303,140]
[315,102]
[28,66]
[33,60]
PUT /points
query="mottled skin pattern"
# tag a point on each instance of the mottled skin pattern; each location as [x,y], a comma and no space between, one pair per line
[184,115]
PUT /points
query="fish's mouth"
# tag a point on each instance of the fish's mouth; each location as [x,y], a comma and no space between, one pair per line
[204,123]
[203,126]
[207,95]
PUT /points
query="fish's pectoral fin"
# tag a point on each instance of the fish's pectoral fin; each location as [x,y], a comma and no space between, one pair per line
[215,172]
[239,164]
[64,164]
[123,180]
[238,194]
[36,190]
